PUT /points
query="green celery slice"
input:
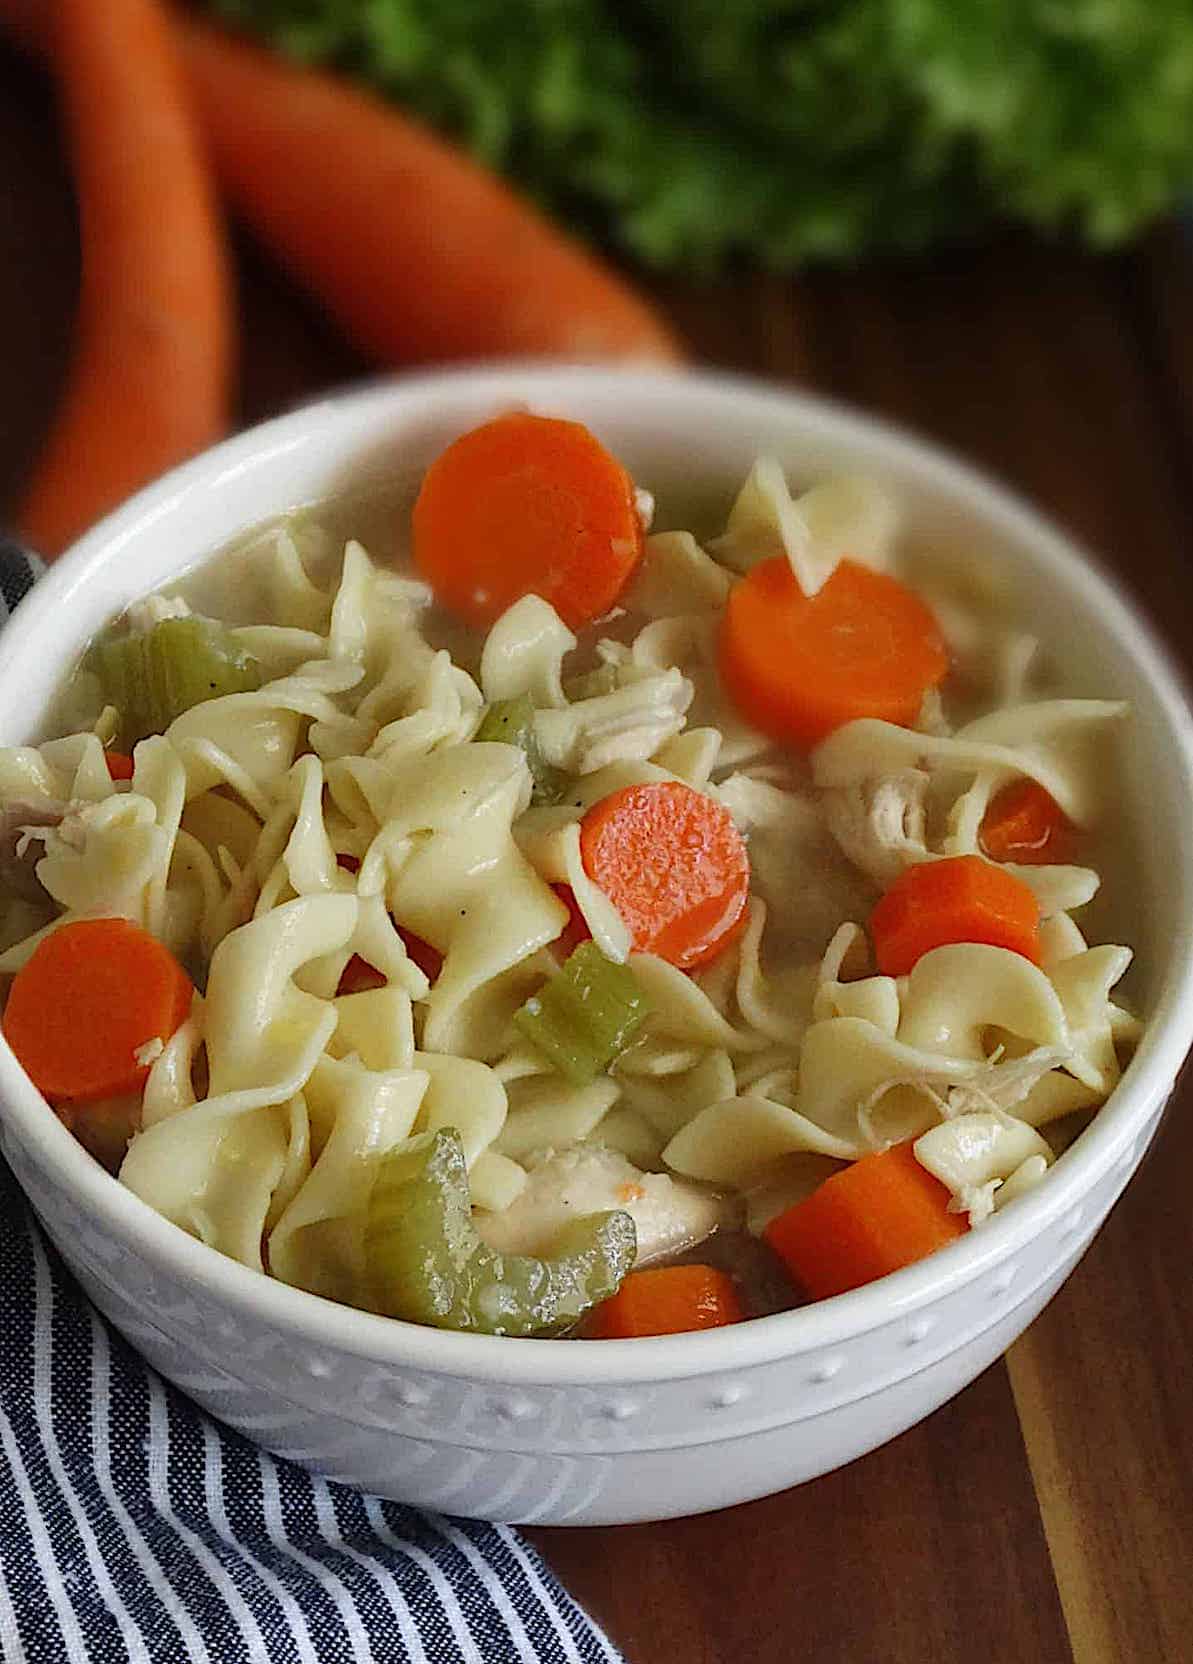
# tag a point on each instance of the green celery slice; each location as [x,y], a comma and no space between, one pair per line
[427,1263]
[511,722]
[181,662]
[585,1015]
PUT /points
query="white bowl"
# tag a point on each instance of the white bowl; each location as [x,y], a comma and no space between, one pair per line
[625,1430]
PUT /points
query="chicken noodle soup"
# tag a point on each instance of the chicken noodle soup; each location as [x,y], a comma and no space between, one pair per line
[572,927]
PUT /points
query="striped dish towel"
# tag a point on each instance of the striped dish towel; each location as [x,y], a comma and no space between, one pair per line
[136,1530]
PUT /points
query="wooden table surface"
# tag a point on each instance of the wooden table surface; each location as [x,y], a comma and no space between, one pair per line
[1046,1514]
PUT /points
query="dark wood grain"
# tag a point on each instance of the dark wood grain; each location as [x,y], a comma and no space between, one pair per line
[909,1554]
[1047,1512]
[1029,363]
[1102,1384]
[1073,380]
[1162,285]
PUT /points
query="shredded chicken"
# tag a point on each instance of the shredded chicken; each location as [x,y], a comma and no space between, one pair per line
[881,826]
[629,724]
[973,1155]
[569,1184]
[1003,1084]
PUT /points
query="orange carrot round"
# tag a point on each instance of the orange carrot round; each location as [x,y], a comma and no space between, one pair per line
[674,866]
[415,251]
[150,380]
[91,997]
[120,767]
[668,1300]
[797,666]
[1026,824]
[962,899]
[876,1216]
[527,505]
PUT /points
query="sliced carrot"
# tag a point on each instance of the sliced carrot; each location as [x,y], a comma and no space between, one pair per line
[428,959]
[876,1216]
[674,866]
[415,251]
[667,1300]
[120,767]
[962,899]
[797,666]
[527,505]
[576,929]
[91,997]
[1026,824]
[150,380]
[358,976]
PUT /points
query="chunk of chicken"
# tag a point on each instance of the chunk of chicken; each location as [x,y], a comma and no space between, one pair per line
[564,1185]
[630,723]
[880,826]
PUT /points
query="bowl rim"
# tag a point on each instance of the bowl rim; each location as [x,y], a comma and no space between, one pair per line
[325,1325]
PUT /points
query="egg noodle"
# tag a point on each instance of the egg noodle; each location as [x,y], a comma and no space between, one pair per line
[269,836]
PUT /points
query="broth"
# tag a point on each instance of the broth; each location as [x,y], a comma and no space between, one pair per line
[363,857]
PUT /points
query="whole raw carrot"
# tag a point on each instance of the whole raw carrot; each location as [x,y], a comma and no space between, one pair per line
[27,22]
[149,383]
[415,251]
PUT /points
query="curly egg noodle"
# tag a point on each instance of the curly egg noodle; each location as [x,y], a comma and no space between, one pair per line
[268,837]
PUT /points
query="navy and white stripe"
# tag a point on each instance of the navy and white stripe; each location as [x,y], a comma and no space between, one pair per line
[19,571]
[136,1530]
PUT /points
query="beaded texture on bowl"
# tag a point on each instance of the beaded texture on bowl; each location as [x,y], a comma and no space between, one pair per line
[528,1455]
[707,1420]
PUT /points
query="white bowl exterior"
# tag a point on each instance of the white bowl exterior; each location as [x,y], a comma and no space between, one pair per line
[544,1453]
[583,1434]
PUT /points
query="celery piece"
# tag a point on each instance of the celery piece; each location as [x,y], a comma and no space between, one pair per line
[511,722]
[181,662]
[585,1015]
[427,1262]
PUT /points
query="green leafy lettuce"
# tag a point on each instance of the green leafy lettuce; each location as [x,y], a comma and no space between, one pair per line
[785,130]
